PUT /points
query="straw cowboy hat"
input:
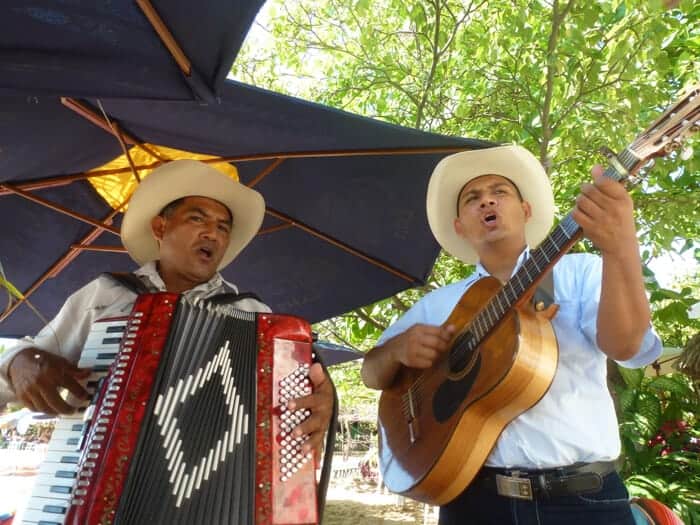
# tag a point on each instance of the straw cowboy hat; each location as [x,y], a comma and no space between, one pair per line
[189,178]
[512,162]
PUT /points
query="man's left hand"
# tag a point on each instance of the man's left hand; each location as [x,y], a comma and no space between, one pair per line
[604,212]
[320,402]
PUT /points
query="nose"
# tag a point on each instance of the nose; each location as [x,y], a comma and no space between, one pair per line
[210,231]
[487,200]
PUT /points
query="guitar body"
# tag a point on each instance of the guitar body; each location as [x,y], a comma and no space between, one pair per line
[436,432]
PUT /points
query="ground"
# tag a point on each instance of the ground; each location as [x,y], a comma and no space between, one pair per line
[355,501]
[350,501]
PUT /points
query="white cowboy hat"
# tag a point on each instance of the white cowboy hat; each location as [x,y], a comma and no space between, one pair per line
[514,163]
[189,178]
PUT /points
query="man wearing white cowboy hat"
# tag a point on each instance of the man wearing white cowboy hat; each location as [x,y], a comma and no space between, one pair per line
[488,207]
[185,222]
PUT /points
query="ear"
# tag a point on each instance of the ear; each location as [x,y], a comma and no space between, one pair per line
[158,227]
[458,226]
[527,209]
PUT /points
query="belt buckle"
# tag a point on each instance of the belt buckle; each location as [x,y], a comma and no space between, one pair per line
[514,487]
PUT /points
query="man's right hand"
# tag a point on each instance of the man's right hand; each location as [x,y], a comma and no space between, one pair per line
[421,345]
[37,376]
[418,347]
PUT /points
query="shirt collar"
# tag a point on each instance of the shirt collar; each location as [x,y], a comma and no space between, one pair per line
[155,281]
[483,272]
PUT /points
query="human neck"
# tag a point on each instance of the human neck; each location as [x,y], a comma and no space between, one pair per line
[501,262]
[174,281]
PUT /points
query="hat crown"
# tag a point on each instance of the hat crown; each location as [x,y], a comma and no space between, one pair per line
[453,172]
[189,178]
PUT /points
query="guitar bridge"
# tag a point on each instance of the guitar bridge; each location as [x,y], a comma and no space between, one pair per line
[413,430]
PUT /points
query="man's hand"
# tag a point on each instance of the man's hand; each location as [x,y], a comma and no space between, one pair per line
[604,212]
[321,405]
[421,345]
[418,347]
[37,376]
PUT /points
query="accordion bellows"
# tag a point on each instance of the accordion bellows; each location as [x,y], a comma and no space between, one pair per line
[191,425]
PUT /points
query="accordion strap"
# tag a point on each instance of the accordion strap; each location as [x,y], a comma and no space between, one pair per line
[132,282]
[329,448]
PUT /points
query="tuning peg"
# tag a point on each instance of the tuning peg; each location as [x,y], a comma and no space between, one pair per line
[687,152]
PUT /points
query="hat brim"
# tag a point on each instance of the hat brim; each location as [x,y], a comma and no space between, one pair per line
[514,163]
[189,178]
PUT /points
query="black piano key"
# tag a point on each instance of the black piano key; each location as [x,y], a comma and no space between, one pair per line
[44,522]
[100,368]
[107,355]
[77,427]
[116,329]
[69,459]
[65,474]
[111,340]
[60,489]
[54,509]
[72,441]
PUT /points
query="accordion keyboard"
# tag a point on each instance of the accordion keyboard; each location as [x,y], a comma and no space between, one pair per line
[51,495]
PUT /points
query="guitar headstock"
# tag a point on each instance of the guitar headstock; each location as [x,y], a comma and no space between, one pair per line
[667,132]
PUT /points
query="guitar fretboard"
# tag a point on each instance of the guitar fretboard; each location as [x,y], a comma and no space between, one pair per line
[541,259]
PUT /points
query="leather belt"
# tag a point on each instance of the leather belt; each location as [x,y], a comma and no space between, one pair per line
[576,479]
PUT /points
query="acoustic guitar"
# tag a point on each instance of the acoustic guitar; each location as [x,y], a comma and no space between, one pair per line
[437,426]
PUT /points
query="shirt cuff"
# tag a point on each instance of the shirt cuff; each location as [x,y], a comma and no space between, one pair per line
[649,351]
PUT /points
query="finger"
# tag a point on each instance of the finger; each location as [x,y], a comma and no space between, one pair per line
[317,375]
[74,387]
[422,362]
[434,342]
[588,207]
[56,403]
[28,401]
[37,403]
[313,423]
[597,171]
[311,402]
[312,443]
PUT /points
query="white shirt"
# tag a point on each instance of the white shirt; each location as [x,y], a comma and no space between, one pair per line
[101,298]
[575,420]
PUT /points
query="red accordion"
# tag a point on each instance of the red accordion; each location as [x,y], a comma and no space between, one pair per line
[191,424]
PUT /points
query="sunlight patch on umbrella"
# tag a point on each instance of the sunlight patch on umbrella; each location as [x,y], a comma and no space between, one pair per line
[116,188]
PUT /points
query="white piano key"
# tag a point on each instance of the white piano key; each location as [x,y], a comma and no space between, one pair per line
[49,467]
[62,457]
[50,479]
[56,493]
[40,503]
[45,518]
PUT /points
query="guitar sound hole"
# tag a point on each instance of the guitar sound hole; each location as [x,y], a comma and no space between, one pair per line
[450,394]
[462,353]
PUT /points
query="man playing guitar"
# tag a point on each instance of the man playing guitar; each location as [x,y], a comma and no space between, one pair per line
[490,207]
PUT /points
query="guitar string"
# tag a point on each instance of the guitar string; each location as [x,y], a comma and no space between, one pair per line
[563,232]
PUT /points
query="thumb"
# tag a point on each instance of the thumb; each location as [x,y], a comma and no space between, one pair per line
[317,375]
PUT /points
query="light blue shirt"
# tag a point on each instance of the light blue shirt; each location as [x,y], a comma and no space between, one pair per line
[575,420]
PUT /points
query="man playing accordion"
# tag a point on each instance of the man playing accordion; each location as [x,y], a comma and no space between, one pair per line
[185,222]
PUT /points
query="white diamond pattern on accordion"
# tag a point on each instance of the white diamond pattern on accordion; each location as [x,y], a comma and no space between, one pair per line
[184,481]
[294,385]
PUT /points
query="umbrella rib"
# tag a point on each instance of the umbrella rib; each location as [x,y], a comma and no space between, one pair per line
[166,36]
[59,208]
[68,179]
[343,246]
[59,265]
[112,127]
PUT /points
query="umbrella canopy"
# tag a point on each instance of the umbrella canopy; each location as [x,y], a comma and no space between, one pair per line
[345,197]
[165,49]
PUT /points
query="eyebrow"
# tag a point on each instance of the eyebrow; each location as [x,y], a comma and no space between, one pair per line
[196,209]
[493,186]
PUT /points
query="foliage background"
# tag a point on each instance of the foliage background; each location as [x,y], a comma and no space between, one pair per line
[562,78]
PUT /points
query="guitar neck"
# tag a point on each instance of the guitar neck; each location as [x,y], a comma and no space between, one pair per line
[521,286]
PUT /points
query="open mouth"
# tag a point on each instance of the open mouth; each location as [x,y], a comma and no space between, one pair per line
[206,253]
[490,218]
